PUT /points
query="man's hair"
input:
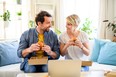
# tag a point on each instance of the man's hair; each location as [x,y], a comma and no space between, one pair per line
[40,16]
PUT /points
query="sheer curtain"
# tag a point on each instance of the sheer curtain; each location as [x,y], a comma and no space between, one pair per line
[102,16]
[105,13]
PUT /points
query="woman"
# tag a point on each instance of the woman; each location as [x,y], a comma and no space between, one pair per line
[73,43]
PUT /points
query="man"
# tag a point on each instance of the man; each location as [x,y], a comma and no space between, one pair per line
[28,45]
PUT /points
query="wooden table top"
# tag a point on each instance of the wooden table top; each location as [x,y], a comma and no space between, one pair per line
[83,74]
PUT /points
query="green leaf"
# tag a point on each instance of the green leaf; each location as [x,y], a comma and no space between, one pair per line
[57,31]
[31,24]
[86,27]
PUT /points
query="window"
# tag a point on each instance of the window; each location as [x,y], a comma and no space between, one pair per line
[13,28]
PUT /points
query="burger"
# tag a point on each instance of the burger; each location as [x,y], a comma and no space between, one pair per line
[41,45]
[73,39]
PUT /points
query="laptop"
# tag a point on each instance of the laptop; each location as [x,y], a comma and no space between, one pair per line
[64,68]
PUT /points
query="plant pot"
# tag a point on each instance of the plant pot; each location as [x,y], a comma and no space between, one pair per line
[19,17]
[6,24]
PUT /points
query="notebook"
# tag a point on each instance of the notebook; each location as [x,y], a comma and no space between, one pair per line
[64,68]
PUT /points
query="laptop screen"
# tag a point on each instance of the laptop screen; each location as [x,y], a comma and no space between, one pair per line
[64,68]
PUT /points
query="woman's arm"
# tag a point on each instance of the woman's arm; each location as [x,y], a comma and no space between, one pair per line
[85,48]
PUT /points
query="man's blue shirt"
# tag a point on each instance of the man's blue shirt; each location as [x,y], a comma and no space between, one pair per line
[31,36]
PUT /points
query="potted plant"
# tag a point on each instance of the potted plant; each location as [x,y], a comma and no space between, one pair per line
[86,27]
[6,16]
[111,25]
[19,14]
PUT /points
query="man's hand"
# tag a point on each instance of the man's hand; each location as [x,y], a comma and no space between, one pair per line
[34,47]
[47,49]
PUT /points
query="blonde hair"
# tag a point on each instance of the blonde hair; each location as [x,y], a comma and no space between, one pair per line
[73,19]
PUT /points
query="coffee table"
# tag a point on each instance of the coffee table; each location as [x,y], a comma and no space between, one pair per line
[83,74]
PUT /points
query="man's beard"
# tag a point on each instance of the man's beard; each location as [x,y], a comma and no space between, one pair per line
[47,29]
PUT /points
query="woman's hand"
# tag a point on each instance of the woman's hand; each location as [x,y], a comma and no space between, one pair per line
[70,42]
[78,43]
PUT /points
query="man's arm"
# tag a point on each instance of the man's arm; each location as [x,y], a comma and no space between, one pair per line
[23,44]
[54,48]
[32,48]
[24,49]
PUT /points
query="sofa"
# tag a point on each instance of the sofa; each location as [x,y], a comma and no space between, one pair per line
[103,57]
[9,61]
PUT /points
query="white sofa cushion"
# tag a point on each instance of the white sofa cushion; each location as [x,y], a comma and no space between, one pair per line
[10,70]
[104,67]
